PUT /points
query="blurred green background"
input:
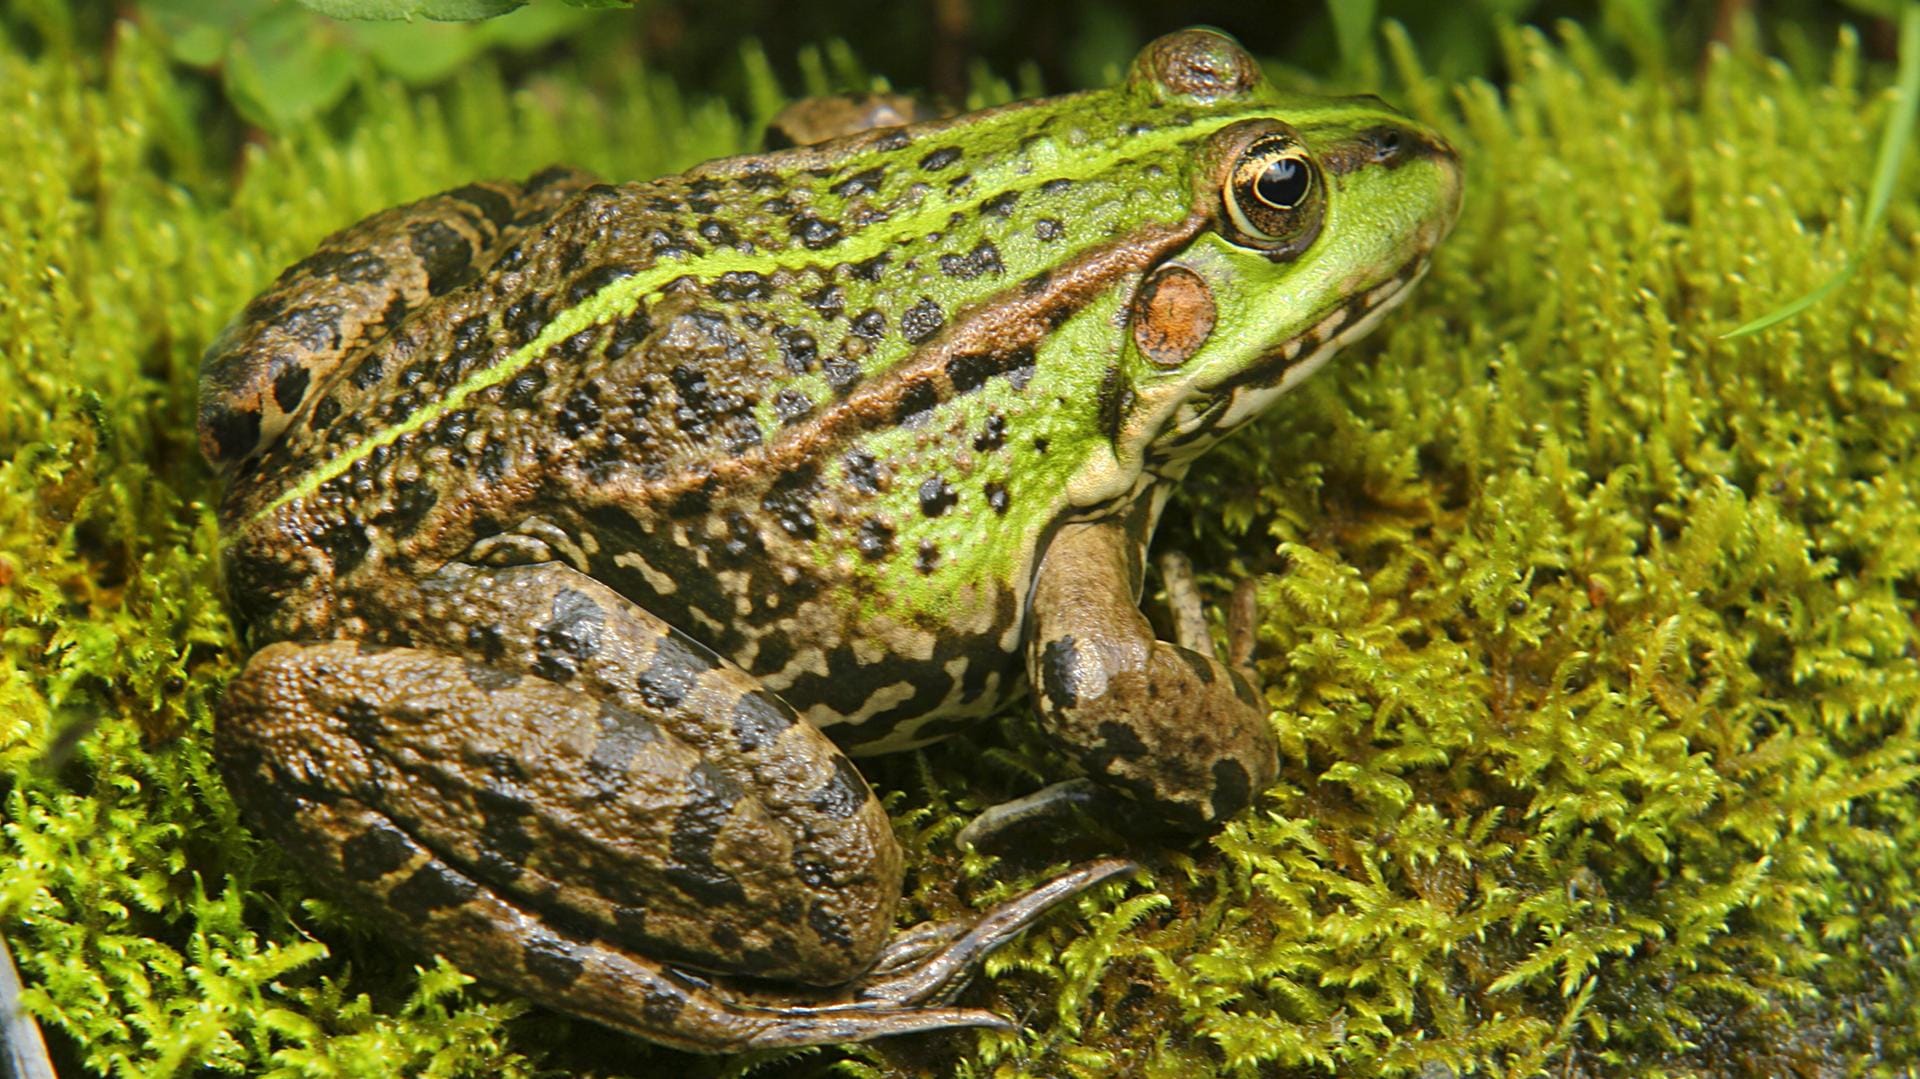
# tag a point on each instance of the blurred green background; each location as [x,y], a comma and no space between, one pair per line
[277,62]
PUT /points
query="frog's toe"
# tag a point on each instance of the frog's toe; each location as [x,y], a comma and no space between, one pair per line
[1190,631]
[1183,602]
[1049,801]
[939,974]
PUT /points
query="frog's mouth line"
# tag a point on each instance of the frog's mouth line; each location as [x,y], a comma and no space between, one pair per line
[1204,420]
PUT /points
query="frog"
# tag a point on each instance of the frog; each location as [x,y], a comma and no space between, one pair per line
[586,533]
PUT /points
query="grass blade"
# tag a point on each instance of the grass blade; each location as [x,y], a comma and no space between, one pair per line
[1886,175]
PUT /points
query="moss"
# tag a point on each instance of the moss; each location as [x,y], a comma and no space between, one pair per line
[1591,636]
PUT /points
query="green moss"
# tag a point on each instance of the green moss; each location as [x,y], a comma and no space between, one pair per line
[1592,637]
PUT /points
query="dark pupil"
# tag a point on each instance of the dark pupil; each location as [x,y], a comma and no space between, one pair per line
[1283,184]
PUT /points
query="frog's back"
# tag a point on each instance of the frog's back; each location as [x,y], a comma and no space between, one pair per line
[817,409]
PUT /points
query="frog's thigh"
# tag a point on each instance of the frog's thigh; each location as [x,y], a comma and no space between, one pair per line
[577,812]
[557,623]
[1169,726]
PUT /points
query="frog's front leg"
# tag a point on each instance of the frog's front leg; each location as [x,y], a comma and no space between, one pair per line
[1169,726]
[566,796]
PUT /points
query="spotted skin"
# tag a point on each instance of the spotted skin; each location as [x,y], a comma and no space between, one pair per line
[1182,732]
[586,530]
[570,833]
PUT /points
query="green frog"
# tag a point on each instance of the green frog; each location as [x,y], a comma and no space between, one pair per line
[586,531]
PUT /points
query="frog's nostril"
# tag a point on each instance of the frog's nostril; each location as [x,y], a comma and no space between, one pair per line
[1389,145]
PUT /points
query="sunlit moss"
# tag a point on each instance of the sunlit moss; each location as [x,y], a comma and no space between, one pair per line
[1591,637]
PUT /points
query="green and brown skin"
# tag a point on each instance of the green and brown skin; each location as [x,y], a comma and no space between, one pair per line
[568,516]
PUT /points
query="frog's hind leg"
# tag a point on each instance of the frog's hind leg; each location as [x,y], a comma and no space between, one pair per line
[357,287]
[593,807]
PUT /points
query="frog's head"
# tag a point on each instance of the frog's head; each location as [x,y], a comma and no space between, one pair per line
[1320,214]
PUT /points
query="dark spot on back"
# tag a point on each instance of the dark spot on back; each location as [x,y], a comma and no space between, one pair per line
[863,472]
[940,159]
[591,282]
[792,406]
[874,539]
[968,371]
[411,503]
[315,327]
[842,373]
[580,412]
[790,500]
[497,207]
[234,432]
[630,332]
[344,542]
[737,285]
[828,300]
[368,372]
[523,389]
[324,414]
[526,316]
[814,233]
[798,350]
[917,402]
[444,254]
[872,269]
[993,435]
[860,183]
[922,320]
[984,258]
[936,496]
[996,496]
[1000,205]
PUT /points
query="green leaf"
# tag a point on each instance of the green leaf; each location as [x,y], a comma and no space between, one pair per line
[419,53]
[288,68]
[440,10]
[198,33]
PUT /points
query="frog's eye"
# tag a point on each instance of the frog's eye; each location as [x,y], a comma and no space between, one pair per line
[1274,196]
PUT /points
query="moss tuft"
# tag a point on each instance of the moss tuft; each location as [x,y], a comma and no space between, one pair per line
[1591,636]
